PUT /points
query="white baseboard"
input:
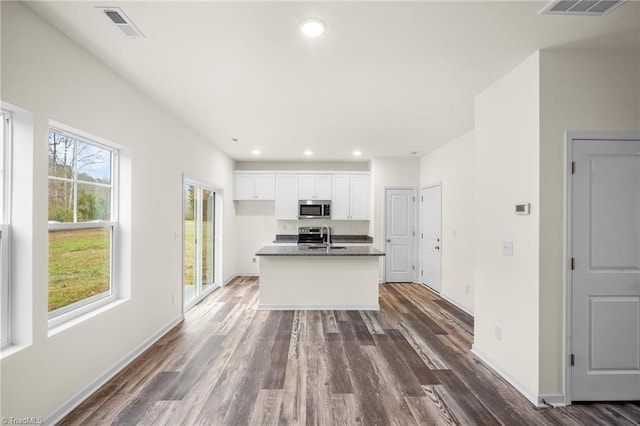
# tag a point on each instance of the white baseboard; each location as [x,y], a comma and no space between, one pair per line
[531,396]
[319,307]
[78,398]
[448,299]
[456,304]
[554,399]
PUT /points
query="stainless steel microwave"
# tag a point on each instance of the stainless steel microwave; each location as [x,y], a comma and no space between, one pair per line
[314,209]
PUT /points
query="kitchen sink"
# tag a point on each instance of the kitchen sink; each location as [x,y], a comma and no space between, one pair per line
[325,247]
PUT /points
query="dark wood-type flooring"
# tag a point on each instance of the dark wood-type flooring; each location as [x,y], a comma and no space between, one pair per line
[231,364]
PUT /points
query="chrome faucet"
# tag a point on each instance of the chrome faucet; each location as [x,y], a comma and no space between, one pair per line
[328,234]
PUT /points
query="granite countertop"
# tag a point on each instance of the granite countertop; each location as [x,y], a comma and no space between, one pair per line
[336,239]
[320,252]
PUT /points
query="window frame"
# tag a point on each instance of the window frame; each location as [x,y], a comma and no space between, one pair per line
[5,227]
[73,310]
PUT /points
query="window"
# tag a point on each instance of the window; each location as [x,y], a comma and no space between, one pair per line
[5,167]
[82,222]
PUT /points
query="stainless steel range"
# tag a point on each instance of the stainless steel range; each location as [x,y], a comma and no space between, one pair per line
[311,236]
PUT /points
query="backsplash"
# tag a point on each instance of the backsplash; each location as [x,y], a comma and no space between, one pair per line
[342,227]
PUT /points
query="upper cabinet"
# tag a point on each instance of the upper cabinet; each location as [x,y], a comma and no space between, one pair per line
[287,197]
[254,186]
[347,191]
[350,197]
[314,187]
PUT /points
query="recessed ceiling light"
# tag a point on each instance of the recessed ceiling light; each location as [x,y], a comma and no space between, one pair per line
[308,153]
[357,153]
[313,27]
[256,152]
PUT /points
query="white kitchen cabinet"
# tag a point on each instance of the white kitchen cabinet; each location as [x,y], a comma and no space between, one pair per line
[314,187]
[287,197]
[254,186]
[359,197]
[350,197]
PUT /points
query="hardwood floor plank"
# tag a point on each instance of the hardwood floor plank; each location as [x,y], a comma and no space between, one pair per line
[294,404]
[194,369]
[345,410]
[406,379]
[151,393]
[159,413]
[318,404]
[339,374]
[231,364]
[392,392]
[260,363]
[329,321]
[267,407]
[372,322]
[360,329]
[221,395]
[430,409]
[421,347]
[366,383]
[411,359]
[226,308]
[278,353]
[477,412]
[419,319]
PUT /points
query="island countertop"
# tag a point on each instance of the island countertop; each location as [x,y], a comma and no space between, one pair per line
[320,252]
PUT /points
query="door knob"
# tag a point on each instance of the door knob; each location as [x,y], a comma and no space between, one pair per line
[388,240]
[437,247]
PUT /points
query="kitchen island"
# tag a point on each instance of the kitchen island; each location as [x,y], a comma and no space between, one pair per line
[339,278]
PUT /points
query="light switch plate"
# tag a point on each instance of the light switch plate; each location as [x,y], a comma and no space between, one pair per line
[507,248]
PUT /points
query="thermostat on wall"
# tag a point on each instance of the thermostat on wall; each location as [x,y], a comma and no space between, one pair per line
[523,208]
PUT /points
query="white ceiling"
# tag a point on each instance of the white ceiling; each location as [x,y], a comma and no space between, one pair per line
[387,78]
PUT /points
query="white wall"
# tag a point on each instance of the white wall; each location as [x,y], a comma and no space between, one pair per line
[452,165]
[519,155]
[385,173]
[47,74]
[507,117]
[581,90]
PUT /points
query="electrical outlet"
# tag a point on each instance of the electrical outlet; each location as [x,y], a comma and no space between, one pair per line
[467,288]
[507,248]
[498,333]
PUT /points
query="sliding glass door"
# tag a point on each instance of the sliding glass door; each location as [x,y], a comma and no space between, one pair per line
[200,242]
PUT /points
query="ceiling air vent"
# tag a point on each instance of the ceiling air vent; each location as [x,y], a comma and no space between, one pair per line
[117,17]
[580,7]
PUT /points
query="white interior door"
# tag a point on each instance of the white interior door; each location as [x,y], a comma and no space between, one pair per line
[432,237]
[605,281]
[399,234]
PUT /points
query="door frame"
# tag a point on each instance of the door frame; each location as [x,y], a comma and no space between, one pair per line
[431,185]
[384,227]
[218,259]
[570,137]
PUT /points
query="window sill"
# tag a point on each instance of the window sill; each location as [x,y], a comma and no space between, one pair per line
[11,349]
[73,318]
